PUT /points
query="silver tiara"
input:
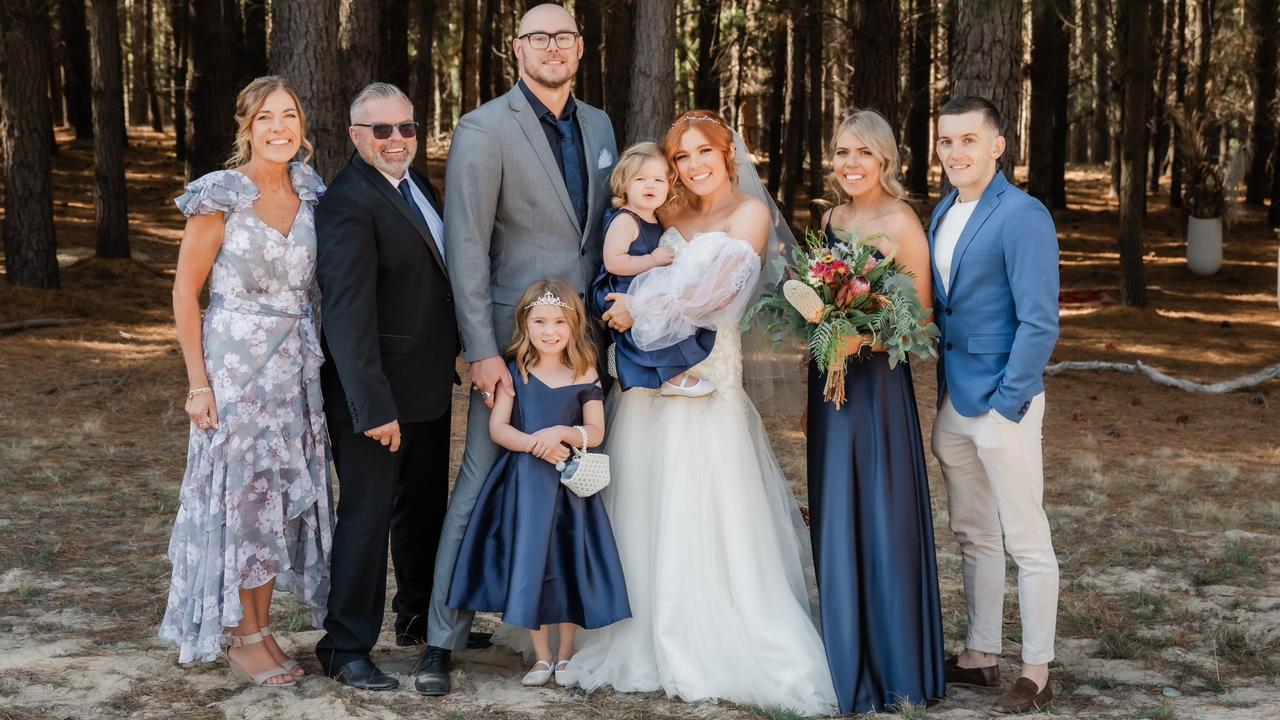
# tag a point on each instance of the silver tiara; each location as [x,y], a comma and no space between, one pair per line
[548,298]
[696,118]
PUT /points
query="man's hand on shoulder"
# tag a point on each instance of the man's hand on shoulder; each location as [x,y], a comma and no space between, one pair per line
[489,375]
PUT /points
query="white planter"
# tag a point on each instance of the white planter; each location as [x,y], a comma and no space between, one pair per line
[1204,245]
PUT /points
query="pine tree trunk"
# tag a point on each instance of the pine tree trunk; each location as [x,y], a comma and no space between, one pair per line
[55,87]
[254,56]
[619,36]
[211,94]
[109,195]
[484,39]
[652,105]
[304,48]
[1061,101]
[179,23]
[30,246]
[153,93]
[137,86]
[1083,65]
[797,103]
[1262,16]
[986,59]
[1100,141]
[1048,62]
[424,90]
[1180,101]
[75,36]
[1273,215]
[877,29]
[918,115]
[775,127]
[1133,147]
[1204,59]
[707,86]
[393,45]
[590,82]
[814,127]
[469,72]
[359,42]
[1161,121]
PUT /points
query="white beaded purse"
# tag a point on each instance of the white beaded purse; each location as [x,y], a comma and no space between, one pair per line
[586,473]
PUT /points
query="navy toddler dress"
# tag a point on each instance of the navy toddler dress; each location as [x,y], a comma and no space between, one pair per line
[636,367]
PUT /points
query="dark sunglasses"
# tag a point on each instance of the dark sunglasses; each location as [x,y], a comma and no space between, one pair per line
[382,131]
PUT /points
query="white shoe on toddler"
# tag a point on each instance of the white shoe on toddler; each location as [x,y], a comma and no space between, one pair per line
[538,678]
[701,388]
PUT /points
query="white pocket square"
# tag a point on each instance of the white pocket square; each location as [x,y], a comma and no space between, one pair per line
[605,160]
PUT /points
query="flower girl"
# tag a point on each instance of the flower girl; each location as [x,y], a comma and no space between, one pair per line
[631,247]
[534,551]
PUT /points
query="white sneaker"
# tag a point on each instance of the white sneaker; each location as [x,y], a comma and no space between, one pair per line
[702,388]
[564,676]
[538,678]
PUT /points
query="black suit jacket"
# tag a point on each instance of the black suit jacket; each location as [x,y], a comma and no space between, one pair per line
[389,333]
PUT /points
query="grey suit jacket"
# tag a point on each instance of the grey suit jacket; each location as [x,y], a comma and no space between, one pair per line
[508,218]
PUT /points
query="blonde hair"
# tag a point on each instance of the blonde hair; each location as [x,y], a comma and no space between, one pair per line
[634,158]
[717,133]
[248,103]
[874,130]
[579,354]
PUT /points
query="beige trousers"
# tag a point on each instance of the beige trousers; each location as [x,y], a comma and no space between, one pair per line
[994,470]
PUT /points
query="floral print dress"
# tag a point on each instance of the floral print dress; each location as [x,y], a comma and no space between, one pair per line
[255,502]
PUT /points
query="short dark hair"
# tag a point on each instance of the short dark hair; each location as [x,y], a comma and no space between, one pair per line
[974,103]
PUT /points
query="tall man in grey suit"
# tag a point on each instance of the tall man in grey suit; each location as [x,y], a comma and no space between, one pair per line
[527,184]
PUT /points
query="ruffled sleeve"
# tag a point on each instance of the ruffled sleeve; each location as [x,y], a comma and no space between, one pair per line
[219,191]
[306,182]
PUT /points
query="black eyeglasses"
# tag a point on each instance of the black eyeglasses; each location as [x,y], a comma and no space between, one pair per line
[542,41]
[382,131]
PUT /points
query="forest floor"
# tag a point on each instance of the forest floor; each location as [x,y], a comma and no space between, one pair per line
[1165,505]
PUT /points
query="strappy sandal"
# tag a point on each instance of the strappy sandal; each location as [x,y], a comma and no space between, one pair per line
[238,641]
[289,664]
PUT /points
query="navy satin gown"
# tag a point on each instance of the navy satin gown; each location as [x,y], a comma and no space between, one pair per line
[636,367]
[533,550]
[872,531]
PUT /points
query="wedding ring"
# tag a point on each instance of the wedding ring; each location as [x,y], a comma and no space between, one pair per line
[486,394]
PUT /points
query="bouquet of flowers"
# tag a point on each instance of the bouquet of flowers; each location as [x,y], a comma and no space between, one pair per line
[842,289]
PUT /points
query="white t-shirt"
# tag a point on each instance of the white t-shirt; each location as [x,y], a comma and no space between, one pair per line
[947,235]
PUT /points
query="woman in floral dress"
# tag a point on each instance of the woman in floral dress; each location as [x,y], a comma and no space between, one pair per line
[255,510]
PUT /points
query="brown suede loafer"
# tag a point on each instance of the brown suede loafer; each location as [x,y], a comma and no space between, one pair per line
[983,677]
[1024,696]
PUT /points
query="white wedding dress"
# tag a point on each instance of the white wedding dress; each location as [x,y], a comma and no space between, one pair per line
[716,557]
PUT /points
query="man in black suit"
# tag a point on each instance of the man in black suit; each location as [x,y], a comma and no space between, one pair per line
[390,341]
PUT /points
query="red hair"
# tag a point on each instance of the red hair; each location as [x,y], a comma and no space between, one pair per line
[717,133]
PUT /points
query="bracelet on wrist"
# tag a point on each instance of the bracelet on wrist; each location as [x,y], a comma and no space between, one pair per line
[198,391]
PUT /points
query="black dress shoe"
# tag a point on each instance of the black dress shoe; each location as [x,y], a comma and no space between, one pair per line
[479,640]
[362,674]
[431,674]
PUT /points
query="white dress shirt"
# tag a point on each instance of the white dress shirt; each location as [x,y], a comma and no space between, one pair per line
[434,223]
[947,235]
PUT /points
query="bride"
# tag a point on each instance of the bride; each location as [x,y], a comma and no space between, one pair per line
[710,536]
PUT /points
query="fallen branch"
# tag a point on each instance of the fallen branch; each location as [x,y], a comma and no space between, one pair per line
[19,326]
[1267,373]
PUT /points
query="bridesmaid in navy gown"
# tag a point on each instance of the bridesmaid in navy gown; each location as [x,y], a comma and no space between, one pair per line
[870,518]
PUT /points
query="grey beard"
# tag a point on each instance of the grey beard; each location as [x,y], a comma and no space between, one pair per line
[394,170]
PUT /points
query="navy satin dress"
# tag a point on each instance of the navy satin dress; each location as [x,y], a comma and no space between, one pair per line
[533,550]
[872,531]
[636,367]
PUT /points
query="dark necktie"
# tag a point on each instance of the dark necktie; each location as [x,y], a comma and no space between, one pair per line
[413,205]
[571,154]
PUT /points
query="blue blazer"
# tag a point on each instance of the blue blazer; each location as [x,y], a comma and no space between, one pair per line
[999,319]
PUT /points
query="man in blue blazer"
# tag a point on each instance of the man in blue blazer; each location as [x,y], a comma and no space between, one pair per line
[995,295]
